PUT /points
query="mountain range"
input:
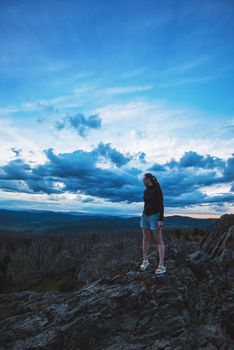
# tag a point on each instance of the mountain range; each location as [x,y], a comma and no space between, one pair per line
[86,220]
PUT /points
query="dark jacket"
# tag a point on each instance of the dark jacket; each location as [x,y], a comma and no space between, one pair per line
[153,198]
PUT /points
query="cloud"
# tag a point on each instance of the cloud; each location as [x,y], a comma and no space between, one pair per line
[112,154]
[187,66]
[78,172]
[14,186]
[232,187]
[157,167]
[80,123]
[16,151]
[141,156]
[81,172]
[119,90]
[60,124]
[88,200]
[188,81]
[178,182]
[15,170]
[229,169]
[194,160]
[46,185]
[229,128]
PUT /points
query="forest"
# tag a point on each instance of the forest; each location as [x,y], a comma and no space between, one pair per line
[28,257]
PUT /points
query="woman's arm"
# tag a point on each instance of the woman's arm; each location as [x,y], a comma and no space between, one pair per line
[161,207]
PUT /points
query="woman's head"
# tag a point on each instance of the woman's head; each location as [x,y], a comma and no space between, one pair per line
[150,179]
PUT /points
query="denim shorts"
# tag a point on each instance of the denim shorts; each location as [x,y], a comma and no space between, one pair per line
[150,221]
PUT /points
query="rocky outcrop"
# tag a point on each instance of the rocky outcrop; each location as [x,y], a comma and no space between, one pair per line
[190,307]
[103,262]
[219,238]
[63,262]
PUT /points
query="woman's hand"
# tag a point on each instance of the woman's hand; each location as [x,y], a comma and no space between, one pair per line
[160,224]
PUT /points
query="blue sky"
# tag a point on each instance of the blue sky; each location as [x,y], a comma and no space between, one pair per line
[93,94]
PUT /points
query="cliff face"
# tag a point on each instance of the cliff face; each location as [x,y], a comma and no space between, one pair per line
[219,238]
[118,307]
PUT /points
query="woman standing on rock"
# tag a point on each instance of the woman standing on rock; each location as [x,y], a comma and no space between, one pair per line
[152,220]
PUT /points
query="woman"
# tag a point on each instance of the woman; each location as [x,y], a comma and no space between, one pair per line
[152,220]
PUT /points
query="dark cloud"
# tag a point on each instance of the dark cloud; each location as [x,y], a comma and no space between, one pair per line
[229,169]
[80,172]
[232,187]
[195,160]
[43,185]
[172,164]
[60,124]
[16,151]
[157,167]
[181,182]
[114,186]
[80,123]
[14,186]
[225,198]
[65,165]
[186,199]
[199,198]
[112,154]
[77,171]
[15,170]
[141,157]
[133,171]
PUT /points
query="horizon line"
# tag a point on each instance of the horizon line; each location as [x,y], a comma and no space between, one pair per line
[191,215]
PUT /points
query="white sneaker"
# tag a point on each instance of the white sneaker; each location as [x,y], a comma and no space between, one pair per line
[144,265]
[160,270]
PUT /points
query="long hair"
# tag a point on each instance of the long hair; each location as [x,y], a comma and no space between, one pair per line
[152,178]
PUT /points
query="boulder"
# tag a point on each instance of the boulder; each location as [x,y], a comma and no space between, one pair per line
[219,236]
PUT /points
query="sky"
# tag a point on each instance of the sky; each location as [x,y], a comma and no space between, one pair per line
[93,94]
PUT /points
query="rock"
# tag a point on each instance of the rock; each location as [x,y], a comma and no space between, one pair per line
[119,308]
[198,256]
[124,346]
[102,262]
[208,346]
[219,236]
[41,340]
[63,262]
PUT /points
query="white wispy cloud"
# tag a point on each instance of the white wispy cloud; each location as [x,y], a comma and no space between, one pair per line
[126,89]
[132,74]
[23,139]
[187,81]
[187,66]
[75,99]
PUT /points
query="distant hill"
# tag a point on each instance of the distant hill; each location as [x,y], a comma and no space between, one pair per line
[90,221]
[187,221]
[14,217]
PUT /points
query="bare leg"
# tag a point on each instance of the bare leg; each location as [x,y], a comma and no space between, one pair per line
[146,240]
[160,244]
